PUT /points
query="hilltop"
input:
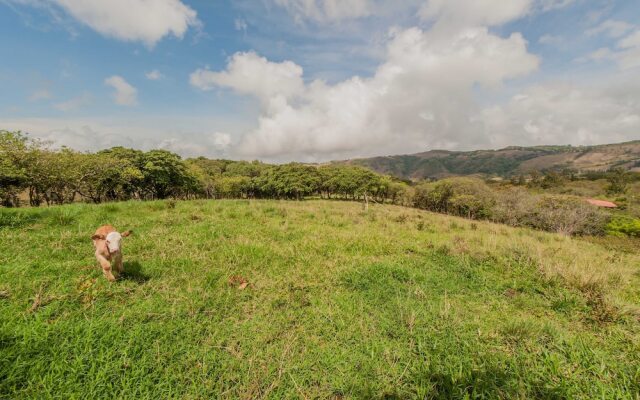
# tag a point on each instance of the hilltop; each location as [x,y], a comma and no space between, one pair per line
[505,162]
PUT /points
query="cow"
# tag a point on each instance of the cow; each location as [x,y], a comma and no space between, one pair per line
[108,244]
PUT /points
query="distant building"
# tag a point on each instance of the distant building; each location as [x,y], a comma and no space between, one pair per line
[602,203]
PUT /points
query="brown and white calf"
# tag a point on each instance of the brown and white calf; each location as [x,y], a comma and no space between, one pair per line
[107,242]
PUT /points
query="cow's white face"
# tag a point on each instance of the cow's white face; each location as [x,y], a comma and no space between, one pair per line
[113,242]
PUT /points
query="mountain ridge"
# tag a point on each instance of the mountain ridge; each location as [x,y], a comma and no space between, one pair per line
[505,162]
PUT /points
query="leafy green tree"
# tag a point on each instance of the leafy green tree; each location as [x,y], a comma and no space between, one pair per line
[291,181]
[618,180]
[164,174]
[551,179]
[14,158]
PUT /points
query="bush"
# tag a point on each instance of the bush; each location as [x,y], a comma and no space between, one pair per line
[554,213]
[624,225]
[568,215]
[513,206]
[464,197]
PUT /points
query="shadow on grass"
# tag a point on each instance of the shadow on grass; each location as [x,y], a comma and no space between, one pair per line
[133,272]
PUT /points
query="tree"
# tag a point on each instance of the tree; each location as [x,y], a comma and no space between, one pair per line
[618,180]
[164,174]
[14,158]
[551,179]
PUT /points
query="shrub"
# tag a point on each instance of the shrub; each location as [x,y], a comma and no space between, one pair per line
[554,213]
[513,207]
[624,225]
[465,197]
[567,215]
[17,219]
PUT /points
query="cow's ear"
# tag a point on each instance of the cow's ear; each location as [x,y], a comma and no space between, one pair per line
[127,233]
[98,237]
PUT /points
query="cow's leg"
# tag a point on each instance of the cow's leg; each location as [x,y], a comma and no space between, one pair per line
[106,267]
[118,264]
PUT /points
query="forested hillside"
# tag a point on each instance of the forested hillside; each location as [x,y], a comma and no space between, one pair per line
[506,162]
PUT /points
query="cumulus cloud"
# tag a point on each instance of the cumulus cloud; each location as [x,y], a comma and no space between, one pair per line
[154,75]
[80,135]
[421,96]
[218,142]
[249,73]
[626,52]
[555,112]
[125,94]
[90,134]
[146,21]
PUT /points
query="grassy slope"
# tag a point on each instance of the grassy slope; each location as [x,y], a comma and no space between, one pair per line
[392,302]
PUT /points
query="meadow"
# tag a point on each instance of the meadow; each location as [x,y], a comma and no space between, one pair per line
[312,299]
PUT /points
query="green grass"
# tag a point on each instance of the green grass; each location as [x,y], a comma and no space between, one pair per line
[342,303]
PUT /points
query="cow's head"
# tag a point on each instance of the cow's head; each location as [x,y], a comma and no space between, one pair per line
[113,240]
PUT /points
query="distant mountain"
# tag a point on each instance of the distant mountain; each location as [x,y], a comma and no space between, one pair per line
[505,162]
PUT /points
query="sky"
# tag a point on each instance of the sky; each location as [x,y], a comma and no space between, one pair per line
[318,80]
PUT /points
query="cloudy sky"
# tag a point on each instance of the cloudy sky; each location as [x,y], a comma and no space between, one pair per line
[314,80]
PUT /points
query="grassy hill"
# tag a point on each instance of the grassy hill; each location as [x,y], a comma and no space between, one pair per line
[340,303]
[507,161]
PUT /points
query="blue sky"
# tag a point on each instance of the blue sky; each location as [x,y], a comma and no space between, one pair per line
[314,80]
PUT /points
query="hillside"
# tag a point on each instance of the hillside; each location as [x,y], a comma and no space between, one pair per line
[339,303]
[505,162]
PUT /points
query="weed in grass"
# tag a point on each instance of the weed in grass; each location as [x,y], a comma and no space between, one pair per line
[111,208]
[401,218]
[63,216]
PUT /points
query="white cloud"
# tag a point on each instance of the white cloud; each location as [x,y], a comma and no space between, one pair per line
[630,41]
[240,24]
[82,135]
[216,143]
[480,12]
[167,132]
[551,39]
[463,13]
[221,141]
[563,113]
[248,73]
[74,103]
[611,28]
[125,94]
[549,5]
[626,54]
[424,74]
[146,21]
[154,75]
[326,10]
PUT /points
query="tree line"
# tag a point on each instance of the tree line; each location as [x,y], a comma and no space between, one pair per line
[33,173]
[31,169]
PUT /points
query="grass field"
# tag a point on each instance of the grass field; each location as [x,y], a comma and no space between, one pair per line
[341,303]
